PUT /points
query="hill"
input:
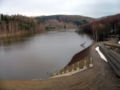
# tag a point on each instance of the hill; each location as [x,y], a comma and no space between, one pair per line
[103,27]
[18,24]
[63,21]
[21,24]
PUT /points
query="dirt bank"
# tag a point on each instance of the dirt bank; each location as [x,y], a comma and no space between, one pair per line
[81,55]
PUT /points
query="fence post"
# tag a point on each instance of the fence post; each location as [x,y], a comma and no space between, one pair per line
[58,73]
[85,64]
[63,71]
[67,69]
[78,65]
[91,62]
[73,67]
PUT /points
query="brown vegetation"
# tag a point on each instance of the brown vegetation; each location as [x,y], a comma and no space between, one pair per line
[103,27]
[22,24]
[63,21]
[79,56]
[18,24]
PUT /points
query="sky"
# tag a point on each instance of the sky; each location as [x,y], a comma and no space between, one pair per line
[91,8]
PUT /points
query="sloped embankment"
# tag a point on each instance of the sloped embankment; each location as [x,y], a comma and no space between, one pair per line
[81,55]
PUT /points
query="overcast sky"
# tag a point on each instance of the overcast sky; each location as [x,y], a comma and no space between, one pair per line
[92,8]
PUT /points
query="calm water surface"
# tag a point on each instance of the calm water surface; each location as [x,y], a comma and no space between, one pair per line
[37,56]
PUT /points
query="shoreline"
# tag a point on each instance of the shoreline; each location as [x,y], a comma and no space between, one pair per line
[17,34]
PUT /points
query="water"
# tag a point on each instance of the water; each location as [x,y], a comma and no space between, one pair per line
[36,57]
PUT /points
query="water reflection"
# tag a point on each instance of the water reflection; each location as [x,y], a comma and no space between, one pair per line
[15,39]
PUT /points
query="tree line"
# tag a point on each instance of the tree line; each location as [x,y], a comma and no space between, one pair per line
[74,19]
[103,27]
[18,23]
[21,24]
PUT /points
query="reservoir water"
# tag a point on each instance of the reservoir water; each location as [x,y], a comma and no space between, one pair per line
[37,56]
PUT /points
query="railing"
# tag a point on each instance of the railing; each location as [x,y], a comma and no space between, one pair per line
[81,65]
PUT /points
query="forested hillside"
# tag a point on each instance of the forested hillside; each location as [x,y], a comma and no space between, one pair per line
[63,21]
[18,23]
[103,27]
[99,28]
[22,24]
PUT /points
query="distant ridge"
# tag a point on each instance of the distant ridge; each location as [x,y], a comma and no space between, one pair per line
[75,19]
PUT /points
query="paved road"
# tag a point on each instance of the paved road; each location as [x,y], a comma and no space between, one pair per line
[100,77]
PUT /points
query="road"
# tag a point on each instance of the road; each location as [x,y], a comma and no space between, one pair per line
[100,77]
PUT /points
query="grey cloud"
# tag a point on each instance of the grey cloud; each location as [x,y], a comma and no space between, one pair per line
[93,8]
